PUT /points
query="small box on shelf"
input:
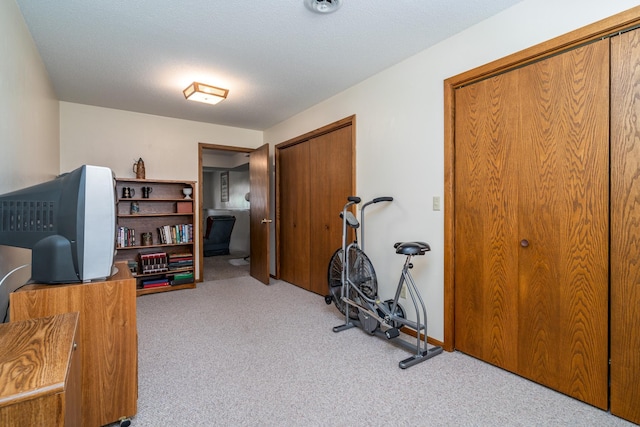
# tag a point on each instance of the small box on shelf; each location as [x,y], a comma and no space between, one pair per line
[184,207]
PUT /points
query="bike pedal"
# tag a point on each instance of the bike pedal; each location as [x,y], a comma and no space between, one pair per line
[392,333]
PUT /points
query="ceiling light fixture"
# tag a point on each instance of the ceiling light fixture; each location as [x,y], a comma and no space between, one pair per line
[323,6]
[204,93]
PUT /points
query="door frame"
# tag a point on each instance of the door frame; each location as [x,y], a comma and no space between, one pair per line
[201,147]
[606,27]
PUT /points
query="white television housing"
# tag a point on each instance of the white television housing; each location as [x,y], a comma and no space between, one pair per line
[69,223]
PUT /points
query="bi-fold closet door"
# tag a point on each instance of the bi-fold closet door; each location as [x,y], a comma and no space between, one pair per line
[315,177]
[532,221]
[625,225]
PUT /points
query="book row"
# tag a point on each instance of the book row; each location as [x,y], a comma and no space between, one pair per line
[167,234]
[154,262]
[160,262]
[126,237]
[168,280]
[173,234]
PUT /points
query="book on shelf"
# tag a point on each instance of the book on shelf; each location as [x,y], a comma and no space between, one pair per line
[180,257]
[154,282]
[182,260]
[154,285]
[126,237]
[174,234]
[132,265]
[182,278]
[175,282]
[153,262]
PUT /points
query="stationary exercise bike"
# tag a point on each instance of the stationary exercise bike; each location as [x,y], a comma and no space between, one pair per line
[353,288]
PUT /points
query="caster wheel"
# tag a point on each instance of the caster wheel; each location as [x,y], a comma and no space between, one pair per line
[328,299]
[125,422]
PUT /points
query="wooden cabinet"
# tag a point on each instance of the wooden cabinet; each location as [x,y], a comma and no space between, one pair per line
[532,221]
[40,372]
[156,230]
[107,338]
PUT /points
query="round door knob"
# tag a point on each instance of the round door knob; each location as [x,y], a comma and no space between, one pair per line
[524,243]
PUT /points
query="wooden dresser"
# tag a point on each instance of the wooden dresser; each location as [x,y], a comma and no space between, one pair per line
[40,372]
[107,335]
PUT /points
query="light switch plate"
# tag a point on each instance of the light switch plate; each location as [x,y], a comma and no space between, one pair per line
[436,203]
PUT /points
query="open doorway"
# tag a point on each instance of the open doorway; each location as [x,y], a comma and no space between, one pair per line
[224,211]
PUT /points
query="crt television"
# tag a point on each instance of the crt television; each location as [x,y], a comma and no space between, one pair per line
[69,223]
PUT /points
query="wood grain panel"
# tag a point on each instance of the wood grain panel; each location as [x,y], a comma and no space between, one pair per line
[486,208]
[315,173]
[531,220]
[259,231]
[563,284]
[108,336]
[625,226]
[330,165]
[38,369]
[294,233]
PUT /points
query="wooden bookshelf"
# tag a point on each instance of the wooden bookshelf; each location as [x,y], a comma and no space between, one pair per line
[168,217]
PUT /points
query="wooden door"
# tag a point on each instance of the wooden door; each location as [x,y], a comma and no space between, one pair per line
[315,173]
[330,157]
[625,227]
[564,215]
[259,219]
[486,198]
[294,236]
[531,203]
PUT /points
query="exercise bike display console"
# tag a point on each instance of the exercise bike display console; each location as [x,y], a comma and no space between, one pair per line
[353,288]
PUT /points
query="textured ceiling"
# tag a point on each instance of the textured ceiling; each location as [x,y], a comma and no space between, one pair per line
[276,57]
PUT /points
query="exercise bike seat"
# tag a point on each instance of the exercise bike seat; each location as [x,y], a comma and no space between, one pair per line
[412,248]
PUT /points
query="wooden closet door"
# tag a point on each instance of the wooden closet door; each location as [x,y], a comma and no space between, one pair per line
[486,201]
[294,215]
[316,174]
[625,226]
[563,215]
[330,171]
[531,220]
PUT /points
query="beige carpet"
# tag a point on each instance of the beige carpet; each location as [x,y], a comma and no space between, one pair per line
[220,267]
[239,353]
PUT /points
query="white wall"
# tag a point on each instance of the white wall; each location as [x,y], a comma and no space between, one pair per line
[116,139]
[29,142]
[400,131]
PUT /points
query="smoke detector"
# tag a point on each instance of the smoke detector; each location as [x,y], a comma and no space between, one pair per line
[323,6]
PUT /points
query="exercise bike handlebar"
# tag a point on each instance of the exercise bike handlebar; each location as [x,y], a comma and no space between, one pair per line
[376,200]
[382,199]
[349,219]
